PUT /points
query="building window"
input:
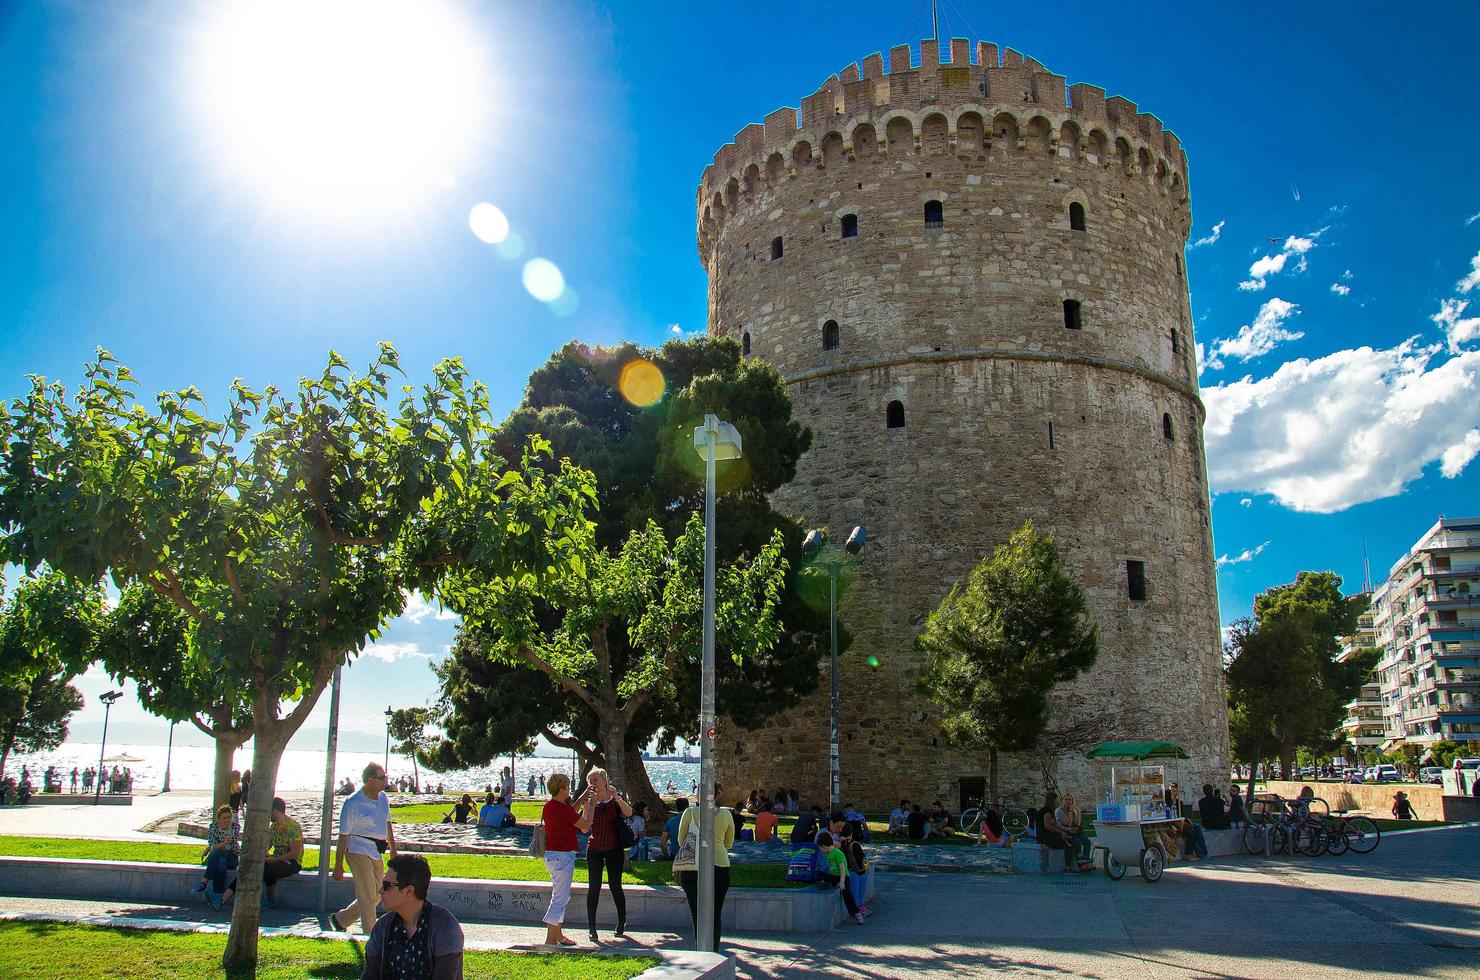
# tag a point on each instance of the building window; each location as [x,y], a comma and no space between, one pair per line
[1178,260]
[894,415]
[850,226]
[1076,216]
[1166,424]
[1176,341]
[1050,435]
[1072,319]
[745,344]
[830,335]
[935,214]
[1135,579]
[776,248]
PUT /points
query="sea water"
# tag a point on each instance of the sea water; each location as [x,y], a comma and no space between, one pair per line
[193,767]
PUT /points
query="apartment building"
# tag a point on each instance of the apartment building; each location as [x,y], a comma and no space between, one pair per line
[1363,727]
[1426,621]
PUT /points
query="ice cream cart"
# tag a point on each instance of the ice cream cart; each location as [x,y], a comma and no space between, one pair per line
[1134,826]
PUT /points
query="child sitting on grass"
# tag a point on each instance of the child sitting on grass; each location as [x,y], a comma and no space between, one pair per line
[835,872]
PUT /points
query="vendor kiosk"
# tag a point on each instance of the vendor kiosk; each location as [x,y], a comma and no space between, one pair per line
[1134,826]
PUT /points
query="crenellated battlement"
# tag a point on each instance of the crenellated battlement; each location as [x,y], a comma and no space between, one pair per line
[1002,101]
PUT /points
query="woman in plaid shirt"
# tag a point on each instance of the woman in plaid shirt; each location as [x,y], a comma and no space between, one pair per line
[604,847]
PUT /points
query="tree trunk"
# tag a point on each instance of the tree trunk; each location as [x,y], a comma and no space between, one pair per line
[1287,761]
[614,748]
[225,753]
[992,796]
[640,788]
[5,749]
[1253,777]
[267,754]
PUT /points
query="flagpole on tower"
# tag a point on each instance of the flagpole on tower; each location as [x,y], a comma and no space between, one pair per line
[935,19]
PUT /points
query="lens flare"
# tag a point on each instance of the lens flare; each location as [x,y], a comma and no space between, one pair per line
[488,223]
[873,662]
[544,280]
[641,382]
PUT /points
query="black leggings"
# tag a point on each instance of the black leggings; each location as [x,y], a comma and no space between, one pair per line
[848,899]
[613,860]
[689,882]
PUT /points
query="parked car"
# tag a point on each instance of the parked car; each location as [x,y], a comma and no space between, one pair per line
[1469,763]
[1431,774]
[1386,774]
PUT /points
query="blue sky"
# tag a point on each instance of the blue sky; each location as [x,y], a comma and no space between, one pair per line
[1332,177]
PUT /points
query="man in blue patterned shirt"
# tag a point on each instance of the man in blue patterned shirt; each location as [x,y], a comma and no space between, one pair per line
[414,939]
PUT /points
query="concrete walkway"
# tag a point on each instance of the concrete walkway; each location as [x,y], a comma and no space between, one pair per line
[1410,909]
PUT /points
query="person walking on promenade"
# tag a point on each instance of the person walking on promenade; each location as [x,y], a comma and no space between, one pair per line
[365,834]
[414,939]
[74,779]
[234,793]
[223,847]
[562,823]
[686,863]
[604,848]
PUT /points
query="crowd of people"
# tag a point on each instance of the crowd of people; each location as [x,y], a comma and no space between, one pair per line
[55,780]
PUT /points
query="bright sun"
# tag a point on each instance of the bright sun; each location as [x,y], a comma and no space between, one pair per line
[340,107]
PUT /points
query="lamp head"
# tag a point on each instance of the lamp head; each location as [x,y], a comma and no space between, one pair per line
[812,544]
[110,697]
[856,540]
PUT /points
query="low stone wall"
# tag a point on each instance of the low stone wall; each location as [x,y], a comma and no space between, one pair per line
[1376,799]
[648,906]
[74,799]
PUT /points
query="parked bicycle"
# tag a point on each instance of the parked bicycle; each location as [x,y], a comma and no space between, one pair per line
[1014,819]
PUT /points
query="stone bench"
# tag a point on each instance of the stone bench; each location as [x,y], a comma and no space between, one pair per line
[648,906]
[1032,858]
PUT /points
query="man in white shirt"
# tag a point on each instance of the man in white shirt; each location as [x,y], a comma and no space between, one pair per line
[899,818]
[364,831]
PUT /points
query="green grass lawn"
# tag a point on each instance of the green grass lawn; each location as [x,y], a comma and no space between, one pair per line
[53,949]
[478,866]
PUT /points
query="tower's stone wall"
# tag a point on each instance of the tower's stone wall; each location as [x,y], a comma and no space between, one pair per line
[1093,433]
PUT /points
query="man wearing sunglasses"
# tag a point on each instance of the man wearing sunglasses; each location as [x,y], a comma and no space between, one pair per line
[414,940]
[364,835]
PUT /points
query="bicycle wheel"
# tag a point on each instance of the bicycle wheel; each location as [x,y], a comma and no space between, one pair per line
[1015,821]
[1256,839]
[1335,838]
[1310,839]
[970,820]
[1362,835]
[1279,840]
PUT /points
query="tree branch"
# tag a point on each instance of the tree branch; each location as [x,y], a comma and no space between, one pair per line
[229,568]
[172,590]
[539,663]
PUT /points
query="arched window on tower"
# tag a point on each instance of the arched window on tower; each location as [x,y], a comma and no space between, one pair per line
[830,339]
[894,415]
[1076,216]
[850,226]
[776,248]
[1072,316]
[935,214]
[1176,341]
[745,344]
[1166,425]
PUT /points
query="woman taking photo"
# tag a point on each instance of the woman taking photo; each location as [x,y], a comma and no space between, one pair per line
[604,847]
[562,823]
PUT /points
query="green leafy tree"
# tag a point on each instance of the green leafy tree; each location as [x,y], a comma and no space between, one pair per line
[146,638]
[1000,642]
[408,727]
[1444,752]
[1285,688]
[646,470]
[48,633]
[275,531]
[1407,758]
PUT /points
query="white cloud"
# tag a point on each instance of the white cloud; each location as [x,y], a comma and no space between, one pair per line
[1458,328]
[1211,237]
[675,329]
[391,652]
[1340,290]
[1323,435]
[1270,265]
[1472,280]
[1258,338]
[418,609]
[1472,219]
[1198,350]
[1248,554]
[1458,456]
[1246,502]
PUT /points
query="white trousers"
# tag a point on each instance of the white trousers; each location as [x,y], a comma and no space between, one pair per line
[562,868]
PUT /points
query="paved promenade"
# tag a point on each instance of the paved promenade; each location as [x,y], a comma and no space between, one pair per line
[1411,909]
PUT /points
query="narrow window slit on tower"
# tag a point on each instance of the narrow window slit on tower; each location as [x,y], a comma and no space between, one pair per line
[894,415]
[1076,216]
[745,344]
[1166,425]
[1050,435]
[935,215]
[1072,317]
[1176,341]
[1135,579]
[776,247]
[850,226]
[830,339]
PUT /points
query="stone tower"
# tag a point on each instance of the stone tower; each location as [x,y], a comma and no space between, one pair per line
[971,279]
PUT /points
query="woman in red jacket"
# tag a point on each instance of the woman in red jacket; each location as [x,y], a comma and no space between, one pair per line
[562,822]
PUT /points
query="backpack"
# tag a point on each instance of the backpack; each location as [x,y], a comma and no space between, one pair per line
[802,866]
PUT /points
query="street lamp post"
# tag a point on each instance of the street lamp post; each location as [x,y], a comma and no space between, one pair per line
[327,816]
[107,700]
[714,440]
[388,713]
[813,548]
[169,752]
